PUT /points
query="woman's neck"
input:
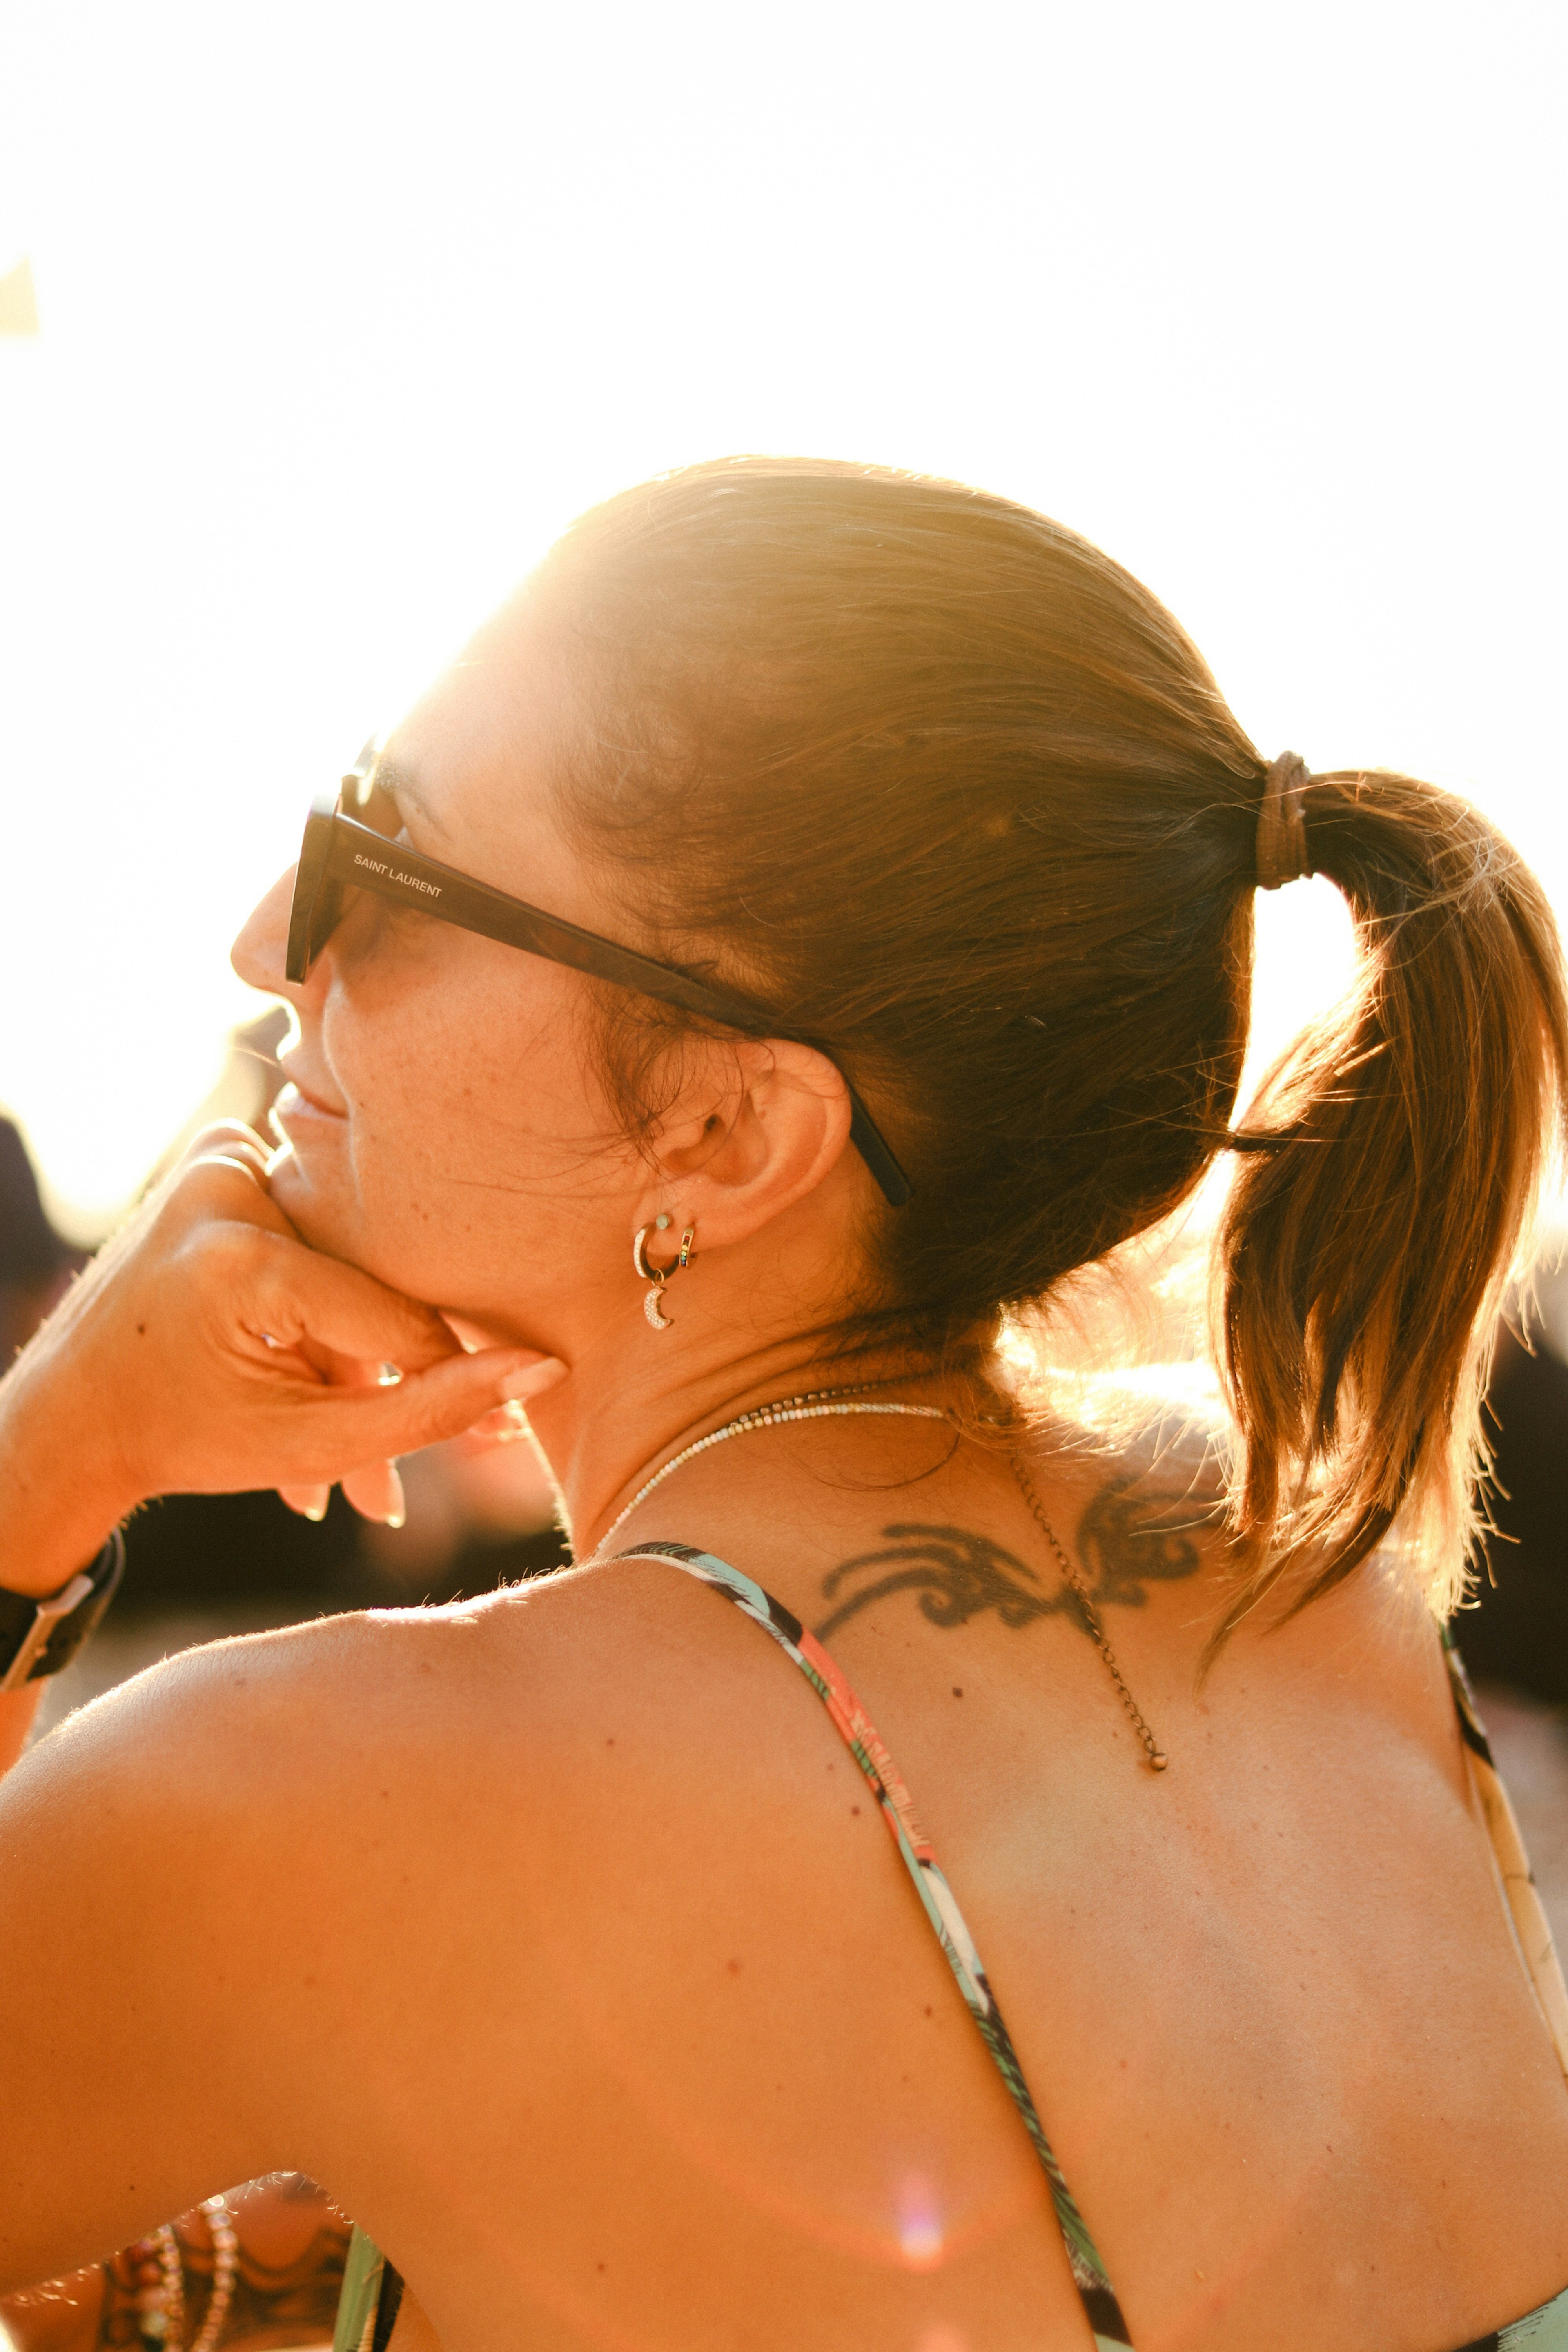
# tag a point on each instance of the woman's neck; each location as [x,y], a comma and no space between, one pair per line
[603,1446]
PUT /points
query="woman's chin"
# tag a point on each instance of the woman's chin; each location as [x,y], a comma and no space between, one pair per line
[328,1214]
[312,1208]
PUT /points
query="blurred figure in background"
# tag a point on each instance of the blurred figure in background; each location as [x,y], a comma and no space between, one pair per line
[1518,1634]
[35,1263]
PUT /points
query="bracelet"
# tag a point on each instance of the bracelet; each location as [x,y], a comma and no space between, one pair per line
[39,1636]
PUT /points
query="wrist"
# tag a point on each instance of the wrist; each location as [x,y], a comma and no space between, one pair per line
[37,1564]
[57,1508]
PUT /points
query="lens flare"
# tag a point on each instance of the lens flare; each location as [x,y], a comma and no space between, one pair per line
[920,2233]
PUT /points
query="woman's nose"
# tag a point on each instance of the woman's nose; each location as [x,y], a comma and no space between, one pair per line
[259,953]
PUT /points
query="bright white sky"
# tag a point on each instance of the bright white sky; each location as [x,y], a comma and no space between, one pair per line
[346,308]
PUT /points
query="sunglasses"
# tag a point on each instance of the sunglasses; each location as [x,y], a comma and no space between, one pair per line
[350,844]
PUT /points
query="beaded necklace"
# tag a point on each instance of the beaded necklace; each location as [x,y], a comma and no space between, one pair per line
[160,2282]
[825,1404]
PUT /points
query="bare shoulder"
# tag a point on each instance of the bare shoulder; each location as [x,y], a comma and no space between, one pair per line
[252,1882]
[312,1722]
[318,1832]
[239,1746]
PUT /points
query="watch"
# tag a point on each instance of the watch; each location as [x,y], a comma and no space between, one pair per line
[39,1636]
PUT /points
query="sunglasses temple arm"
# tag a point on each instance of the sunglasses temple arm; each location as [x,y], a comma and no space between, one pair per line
[356,855]
[866,1137]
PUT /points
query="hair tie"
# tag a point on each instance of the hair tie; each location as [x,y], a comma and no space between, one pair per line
[1282,853]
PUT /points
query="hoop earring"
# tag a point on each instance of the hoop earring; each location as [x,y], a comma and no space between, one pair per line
[657,1276]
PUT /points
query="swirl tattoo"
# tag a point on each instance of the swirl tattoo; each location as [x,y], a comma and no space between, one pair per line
[958,1575]
[1127,1539]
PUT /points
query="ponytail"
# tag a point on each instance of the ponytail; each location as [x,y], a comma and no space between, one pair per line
[1364,1259]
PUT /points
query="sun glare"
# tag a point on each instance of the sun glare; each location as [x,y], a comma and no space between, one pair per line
[323,336]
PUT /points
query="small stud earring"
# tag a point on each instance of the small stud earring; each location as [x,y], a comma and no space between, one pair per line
[657,1276]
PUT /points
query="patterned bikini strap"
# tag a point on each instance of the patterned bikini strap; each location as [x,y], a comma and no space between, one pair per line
[859,1734]
[1531,1929]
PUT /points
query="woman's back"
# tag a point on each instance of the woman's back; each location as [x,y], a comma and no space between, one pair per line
[667,2053]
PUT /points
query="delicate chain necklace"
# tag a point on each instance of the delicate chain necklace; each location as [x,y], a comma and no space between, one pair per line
[812,1404]
[1158,1760]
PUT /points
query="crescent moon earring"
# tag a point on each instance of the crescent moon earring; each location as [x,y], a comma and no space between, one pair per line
[657,1276]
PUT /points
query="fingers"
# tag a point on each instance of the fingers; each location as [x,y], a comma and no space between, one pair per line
[241,1161]
[228,1138]
[209,1349]
[375,1490]
[219,1133]
[311,1502]
[298,1296]
[227,1182]
[355,1427]
[503,1426]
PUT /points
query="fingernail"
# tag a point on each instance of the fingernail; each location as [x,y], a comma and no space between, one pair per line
[533,1378]
[399,1511]
[316,1511]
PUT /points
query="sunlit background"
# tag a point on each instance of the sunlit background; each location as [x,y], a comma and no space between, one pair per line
[342,311]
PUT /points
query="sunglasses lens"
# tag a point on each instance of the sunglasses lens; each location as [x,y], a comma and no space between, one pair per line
[328,915]
[318,902]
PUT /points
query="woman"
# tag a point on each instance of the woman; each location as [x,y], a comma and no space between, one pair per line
[558,1935]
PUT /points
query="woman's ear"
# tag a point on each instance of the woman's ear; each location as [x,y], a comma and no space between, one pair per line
[775,1127]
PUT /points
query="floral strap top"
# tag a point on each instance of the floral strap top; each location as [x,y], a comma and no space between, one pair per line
[372,2288]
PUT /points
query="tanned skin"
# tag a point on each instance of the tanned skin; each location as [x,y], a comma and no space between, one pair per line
[1131,1531]
[1127,1539]
[557,1933]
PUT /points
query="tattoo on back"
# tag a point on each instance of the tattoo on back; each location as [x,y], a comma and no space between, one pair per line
[958,1575]
[1127,1539]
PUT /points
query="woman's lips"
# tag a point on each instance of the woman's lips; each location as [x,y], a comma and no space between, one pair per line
[296,1103]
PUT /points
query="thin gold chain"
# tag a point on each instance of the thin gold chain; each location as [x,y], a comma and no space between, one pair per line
[1158,1760]
[811,1404]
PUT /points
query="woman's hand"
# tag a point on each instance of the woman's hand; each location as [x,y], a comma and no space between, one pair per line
[206,1350]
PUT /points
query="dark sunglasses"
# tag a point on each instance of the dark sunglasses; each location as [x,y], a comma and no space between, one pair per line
[349,845]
